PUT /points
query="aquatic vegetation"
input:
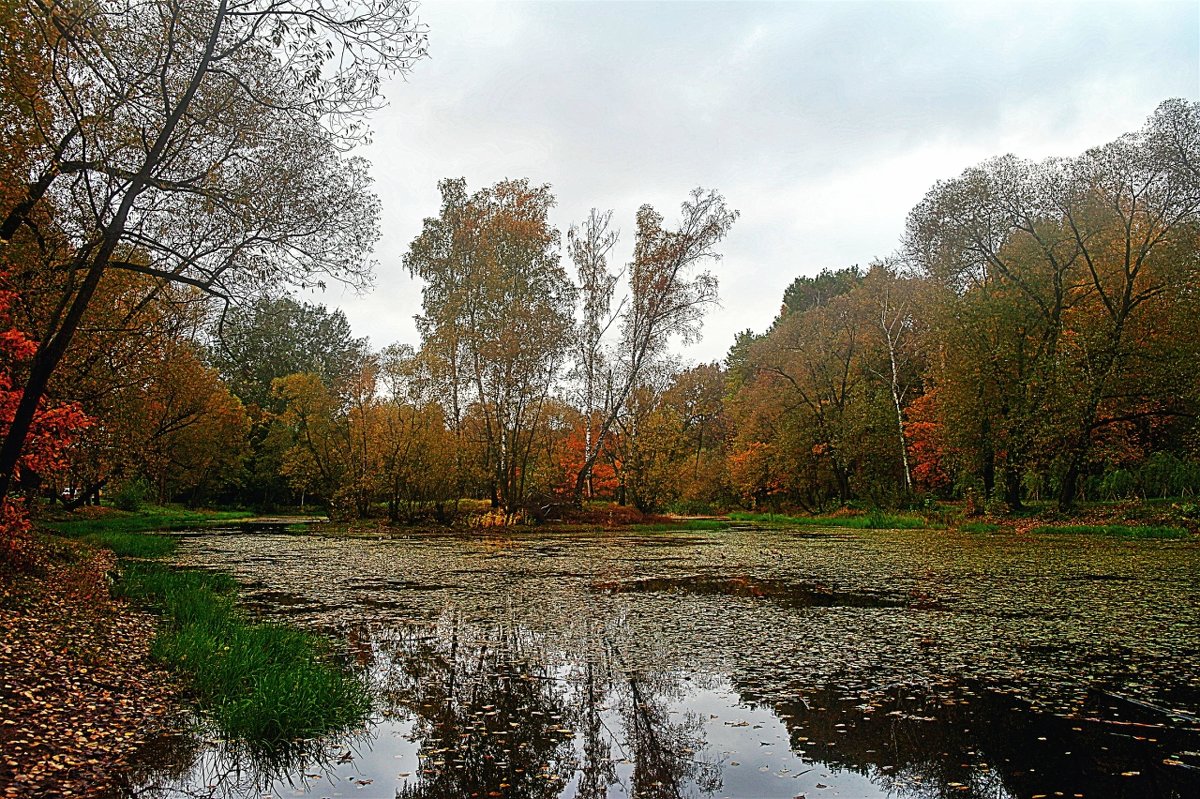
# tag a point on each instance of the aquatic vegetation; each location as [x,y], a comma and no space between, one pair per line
[149,518]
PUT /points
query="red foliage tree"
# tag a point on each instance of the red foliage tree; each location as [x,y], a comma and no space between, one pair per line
[926,444]
[52,432]
[571,455]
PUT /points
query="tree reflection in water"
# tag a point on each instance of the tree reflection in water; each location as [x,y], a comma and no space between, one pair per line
[979,745]
[495,714]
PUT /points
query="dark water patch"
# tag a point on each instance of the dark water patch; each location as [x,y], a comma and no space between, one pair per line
[981,743]
[272,527]
[278,602]
[654,540]
[1118,707]
[790,595]
[393,584]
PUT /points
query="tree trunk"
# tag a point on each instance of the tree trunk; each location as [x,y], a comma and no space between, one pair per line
[843,483]
[1070,485]
[54,347]
[989,472]
[1012,489]
[44,364]
[85,496]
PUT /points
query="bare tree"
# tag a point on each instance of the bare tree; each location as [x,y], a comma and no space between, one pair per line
[669,292]
[589,246]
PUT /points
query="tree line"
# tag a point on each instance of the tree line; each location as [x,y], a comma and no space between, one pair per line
[1034,337]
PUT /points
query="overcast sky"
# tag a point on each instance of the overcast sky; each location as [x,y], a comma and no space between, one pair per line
[823,123]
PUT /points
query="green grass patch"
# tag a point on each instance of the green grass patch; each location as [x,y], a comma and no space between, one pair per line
[874,520]
[260,682]
[133,545]
[1118,530]
[151,518]
[979,527]
[682,524]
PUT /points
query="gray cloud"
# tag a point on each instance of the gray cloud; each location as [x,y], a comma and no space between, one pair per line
[823,122]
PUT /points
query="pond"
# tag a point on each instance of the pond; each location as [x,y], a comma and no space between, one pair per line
[740,663]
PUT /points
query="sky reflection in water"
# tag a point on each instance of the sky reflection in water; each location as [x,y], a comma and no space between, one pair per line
[634,667]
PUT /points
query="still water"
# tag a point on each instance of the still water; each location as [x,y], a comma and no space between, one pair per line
[738,663]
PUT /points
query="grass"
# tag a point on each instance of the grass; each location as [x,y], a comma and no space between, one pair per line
[979,527]
[1119,530]
[132,545]
[150,518]
[682,524]
[260,682]
[874,520]
[263,683]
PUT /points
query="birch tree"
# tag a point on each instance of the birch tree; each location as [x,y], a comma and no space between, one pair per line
[589,245]
[496,318]
[669,291]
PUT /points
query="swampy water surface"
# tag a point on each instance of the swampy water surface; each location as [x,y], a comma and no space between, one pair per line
[738,663]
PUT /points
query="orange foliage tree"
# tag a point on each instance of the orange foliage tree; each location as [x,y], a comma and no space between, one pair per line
[572,453]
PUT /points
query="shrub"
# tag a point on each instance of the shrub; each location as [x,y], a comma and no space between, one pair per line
[996,507]
[692,507]
[131,494]
[1117,484]
[1164,475]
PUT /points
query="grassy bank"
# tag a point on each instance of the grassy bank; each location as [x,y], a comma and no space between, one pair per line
[979,527]
[261,682]
[681,525]
[1118,530]
[112,521]
[874,520]
[131,545]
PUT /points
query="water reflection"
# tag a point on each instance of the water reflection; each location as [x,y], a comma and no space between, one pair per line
[987,744]
[467,709]
[786,594]
[493,715]
[536,670]
[195,764]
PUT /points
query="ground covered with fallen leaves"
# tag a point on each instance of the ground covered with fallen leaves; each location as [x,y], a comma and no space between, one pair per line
[78,691]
